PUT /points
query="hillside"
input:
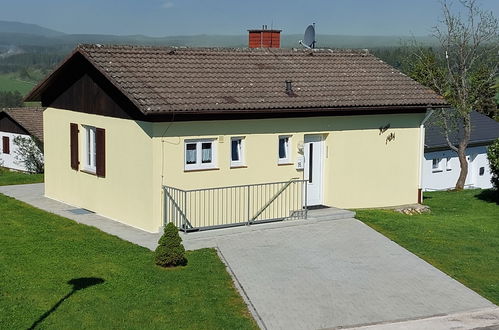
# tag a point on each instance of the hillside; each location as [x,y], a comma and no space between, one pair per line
[21,34]
[24,28]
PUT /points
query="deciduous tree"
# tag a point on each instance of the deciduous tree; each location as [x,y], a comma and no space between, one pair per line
[463,69]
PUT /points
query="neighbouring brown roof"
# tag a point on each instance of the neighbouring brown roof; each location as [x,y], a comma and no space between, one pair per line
[31,119]
[160,80]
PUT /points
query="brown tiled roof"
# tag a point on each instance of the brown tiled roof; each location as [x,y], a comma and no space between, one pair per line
[164,79]
[31,119]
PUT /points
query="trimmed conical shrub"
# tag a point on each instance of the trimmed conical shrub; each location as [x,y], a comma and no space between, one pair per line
[170,251]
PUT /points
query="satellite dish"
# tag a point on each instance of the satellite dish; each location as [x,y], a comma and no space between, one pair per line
[309,37]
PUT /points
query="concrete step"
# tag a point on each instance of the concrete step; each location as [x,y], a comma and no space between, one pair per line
[330,213]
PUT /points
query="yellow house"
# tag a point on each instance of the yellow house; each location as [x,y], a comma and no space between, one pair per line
[210,137]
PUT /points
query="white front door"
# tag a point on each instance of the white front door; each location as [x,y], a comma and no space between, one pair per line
[314,160]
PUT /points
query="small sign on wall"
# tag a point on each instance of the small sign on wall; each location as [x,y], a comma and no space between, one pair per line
[300,162]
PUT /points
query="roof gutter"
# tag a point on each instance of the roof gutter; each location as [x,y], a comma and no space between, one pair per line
[357,109]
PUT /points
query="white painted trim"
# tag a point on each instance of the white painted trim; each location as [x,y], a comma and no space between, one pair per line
[199,165]
[287,159]
[242,153]
[314,197]
[89,149]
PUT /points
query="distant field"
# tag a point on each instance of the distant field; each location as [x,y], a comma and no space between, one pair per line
[10,83]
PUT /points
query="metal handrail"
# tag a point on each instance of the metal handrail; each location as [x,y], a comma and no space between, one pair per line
[271,201]
[234,205]
[242,186]
[186,221]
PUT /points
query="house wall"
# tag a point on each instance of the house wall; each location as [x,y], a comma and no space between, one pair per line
[362,168]
[125,193]
[446,177]
[9,160]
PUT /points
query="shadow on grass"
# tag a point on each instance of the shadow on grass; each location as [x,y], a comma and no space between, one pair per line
[489,195]
[78,284]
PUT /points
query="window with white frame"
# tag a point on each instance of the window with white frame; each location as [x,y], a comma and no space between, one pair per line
[200,154]
[284,149]
[448,164]
[236,151]
[90,149]
[436,165]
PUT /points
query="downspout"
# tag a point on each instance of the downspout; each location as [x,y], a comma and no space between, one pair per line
[163,136]
[429,113]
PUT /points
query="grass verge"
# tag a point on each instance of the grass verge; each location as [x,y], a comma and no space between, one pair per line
[43,257]
[460,236]
[10,177]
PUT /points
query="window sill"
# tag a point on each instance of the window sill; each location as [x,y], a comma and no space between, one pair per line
[88,172]
[285,163]
[436,171]
[202,169]
[238,166]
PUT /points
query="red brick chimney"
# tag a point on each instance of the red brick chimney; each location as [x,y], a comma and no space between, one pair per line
[264,38]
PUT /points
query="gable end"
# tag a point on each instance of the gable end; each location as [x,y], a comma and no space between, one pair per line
[79,86]
[7,124]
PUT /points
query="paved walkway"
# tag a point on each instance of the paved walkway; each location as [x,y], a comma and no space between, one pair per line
[34,194]
[315,274]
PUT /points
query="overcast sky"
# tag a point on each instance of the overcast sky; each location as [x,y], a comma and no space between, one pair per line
[188,17]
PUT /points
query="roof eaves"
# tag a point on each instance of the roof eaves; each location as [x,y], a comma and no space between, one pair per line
[360,109]
[438,147]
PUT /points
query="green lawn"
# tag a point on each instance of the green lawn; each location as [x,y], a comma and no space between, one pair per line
[460,236]
[41,252]
[9,177]
[10,83]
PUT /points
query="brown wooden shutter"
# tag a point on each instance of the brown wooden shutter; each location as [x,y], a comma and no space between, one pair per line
[100,152]
[6,145]
[74,146]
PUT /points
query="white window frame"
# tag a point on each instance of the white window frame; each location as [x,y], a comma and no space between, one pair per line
[287,149]
[241,150]
[90,149]
[437,168]
[199,165]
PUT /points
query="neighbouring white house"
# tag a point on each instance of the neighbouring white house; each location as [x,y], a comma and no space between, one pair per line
[14,122]
[441,165]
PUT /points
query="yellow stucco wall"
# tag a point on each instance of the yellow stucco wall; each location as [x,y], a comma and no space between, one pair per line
[125,194]
[361,167]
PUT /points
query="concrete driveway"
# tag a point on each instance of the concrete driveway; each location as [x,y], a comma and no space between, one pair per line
[334,273]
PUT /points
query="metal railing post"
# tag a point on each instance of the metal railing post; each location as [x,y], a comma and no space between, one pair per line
[305,200]
[185,209]
[248,205]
